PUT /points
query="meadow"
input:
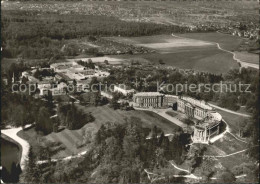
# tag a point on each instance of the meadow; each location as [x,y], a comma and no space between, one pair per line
[226,41]
[196,51]
[75,141]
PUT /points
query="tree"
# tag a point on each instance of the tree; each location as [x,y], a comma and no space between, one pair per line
[31,173]
[226,177]
[15,172]
[114,102]
[44,123]
[161,62]
[195,156]
[106,62]
[5,175]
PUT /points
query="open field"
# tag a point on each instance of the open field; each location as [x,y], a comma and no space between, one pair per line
[75,141]
[196,51]
[232,120]
[160,41]
[248,57]
[226,41]
[150,119]
[207,60]
[230,145]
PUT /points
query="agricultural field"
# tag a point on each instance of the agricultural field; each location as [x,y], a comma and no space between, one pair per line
[196,51]
[225,41]
[248,57]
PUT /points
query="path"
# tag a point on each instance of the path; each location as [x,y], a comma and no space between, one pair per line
[65,158]
[12,133]
[230,111]
[76,100]
[192,176]
[243,63]
[228,155]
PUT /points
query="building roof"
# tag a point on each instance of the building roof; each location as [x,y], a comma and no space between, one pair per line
[209,122]
[145,94]
[198,103]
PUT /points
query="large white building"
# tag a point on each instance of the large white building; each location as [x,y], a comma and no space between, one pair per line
[153,100]
[209,120]
[148,99]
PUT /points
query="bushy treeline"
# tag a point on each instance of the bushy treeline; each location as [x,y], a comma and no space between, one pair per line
[39,35]
[231,97]
[18,109]
[72,117]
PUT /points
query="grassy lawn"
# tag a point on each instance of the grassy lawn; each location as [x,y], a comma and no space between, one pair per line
[226,145]
[104,114]
[232,120]
[75,141]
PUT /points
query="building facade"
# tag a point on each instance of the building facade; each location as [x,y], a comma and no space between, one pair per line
[193,108]
[148,99]
[205,129]
[153,100]
[208,123]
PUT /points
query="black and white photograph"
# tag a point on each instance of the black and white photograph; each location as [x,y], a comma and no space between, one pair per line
[130,91]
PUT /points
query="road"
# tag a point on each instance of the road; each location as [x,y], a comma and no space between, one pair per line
[230,111]
[12,133]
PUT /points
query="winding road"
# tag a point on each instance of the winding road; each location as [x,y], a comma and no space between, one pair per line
[12,133]
[230,111]
[243,63]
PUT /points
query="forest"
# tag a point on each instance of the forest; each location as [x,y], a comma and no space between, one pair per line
[119,154]
[30,34]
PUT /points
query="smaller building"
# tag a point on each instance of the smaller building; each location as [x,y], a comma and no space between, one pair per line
[206,129]
[60,89]
[44,87]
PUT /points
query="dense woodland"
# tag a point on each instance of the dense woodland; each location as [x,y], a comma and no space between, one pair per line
[119,154]
[41,35]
